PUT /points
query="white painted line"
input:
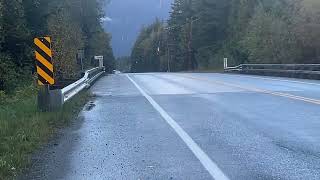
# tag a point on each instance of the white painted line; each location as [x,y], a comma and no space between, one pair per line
[276,79]
[205,160]
[301,98]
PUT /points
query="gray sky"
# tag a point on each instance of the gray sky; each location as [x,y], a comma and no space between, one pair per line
[126,17]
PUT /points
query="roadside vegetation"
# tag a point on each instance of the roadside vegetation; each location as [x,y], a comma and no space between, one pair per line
[200,33]
[72,25]
[23,128]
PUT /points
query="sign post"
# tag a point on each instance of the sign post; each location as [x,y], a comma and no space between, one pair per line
[100,59]
[44,66]
[44,63]
[225,63]
[80,56]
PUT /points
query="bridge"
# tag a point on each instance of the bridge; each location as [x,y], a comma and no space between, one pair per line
[190,126]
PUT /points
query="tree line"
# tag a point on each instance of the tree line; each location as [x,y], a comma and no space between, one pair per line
[72,24]
[200,33]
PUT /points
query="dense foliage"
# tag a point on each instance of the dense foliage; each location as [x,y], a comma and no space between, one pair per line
[72,24]
[200,33]
[148,50]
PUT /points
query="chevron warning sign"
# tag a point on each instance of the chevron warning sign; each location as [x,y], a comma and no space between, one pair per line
[44,64]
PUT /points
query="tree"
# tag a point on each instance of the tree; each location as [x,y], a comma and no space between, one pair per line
[306,26]
[269,39]
[72,24]
[65,47]
[14,49]
[148,49]
[203,32]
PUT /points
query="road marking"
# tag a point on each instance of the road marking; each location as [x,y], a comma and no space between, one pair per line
[276,79]
[290,96]
[205,160]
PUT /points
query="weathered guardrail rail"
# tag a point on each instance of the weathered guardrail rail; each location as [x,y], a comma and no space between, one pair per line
[54,99]
[306,71]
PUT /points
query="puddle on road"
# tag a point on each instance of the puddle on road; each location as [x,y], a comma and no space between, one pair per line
[89,106]
[102,94]
[94,95]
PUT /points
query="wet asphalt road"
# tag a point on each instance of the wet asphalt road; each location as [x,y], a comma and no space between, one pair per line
[138,127]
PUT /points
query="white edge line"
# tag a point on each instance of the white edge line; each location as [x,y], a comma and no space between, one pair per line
[205,160]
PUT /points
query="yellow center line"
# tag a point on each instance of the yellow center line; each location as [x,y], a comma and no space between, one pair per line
[290,96]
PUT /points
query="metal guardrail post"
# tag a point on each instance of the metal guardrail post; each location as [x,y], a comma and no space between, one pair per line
[50,100]
[56,99]
[225,63]
[44,98]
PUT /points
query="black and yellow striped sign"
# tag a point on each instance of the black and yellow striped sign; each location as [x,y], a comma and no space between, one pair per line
[44,64]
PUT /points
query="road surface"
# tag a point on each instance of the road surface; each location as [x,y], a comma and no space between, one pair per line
[190,126]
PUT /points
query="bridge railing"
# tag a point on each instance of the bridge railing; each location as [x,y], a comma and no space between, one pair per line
[308,71]
[54,99]
[85,82]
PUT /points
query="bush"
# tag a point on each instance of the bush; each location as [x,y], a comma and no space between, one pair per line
[8,75]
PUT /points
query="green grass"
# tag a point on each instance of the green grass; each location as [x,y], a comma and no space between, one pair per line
[23,128]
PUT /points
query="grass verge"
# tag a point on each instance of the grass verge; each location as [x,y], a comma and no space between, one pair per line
[23,128]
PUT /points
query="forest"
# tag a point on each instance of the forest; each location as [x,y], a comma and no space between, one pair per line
[72,25]
[200,33]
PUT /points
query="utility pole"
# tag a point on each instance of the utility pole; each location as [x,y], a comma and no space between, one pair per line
[189,23]
[168,58]
[189,45]
[168,51]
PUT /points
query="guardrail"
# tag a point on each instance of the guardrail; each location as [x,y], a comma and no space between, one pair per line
[307,71]
[85,82]
[54,99]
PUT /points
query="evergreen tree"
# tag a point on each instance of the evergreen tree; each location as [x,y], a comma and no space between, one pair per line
[200,33]
[72,24]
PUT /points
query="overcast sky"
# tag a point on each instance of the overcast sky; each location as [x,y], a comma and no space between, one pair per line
[126,17]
